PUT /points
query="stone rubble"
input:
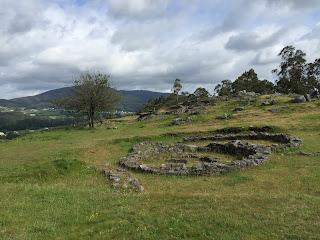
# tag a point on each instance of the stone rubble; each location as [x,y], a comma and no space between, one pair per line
[120,179]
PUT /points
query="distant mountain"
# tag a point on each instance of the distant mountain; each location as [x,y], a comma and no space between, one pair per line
[131,100]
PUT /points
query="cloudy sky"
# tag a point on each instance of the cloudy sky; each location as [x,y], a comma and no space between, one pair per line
[147,44]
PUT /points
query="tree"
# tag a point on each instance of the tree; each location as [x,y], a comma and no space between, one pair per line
[247,81]
[177,86]
[201,93]
[90,93]
[224,89]
[313,73]
[264,86]
[292,71]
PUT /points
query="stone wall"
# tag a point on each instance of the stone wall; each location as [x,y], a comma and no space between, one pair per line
[283,138]
[249,154]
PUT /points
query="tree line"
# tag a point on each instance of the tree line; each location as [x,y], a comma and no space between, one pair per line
[295,75]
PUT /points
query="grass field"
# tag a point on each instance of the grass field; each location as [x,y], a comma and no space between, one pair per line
[52,187]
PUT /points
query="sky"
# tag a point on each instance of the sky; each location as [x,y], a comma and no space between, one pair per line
[147,44]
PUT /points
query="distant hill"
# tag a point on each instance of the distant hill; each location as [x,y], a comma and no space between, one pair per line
[131,100]
[7,103]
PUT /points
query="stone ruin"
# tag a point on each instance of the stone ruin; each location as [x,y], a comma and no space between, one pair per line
[191,107]
[249,154]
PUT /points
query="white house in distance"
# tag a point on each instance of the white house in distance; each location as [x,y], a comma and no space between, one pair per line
[2,134]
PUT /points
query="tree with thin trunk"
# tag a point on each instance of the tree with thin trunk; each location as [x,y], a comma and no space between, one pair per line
[90,93]
[292,71]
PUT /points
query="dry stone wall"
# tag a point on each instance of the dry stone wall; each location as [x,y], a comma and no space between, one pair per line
[250,154]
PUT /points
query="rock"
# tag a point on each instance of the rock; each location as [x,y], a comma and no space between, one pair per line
[238,109]
[305,153]
[177,160]
[299,99]
[115,185]
[261,129]
[307,97]
[247,103]
[197,167]
[224,116]
[290,153]
[266,103]
[144,167]
[115,191]
[178,121]
[114,178]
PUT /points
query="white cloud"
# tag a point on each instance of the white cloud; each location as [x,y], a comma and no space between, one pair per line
[146,44]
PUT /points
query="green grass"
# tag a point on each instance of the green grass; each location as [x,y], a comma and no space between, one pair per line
[52,187]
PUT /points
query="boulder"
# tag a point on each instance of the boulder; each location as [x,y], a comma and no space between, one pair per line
[307,97]
[224,116]
[299,99]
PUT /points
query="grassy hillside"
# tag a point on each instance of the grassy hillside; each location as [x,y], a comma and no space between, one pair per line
[52,187]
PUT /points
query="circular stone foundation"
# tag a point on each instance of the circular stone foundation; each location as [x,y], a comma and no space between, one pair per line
[175,156]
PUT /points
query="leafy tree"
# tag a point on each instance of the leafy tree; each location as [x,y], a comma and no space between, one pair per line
[201,93]
[177,86]
[91,93]
[313,73]
[265,86]
[292,71]
[224,89]
[247,81]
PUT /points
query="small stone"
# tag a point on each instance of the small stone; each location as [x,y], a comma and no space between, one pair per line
[290,153]
[238,109]
[306,153]
[121,170]
[114,178]
[115,191]
[224,116]
[197,166]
